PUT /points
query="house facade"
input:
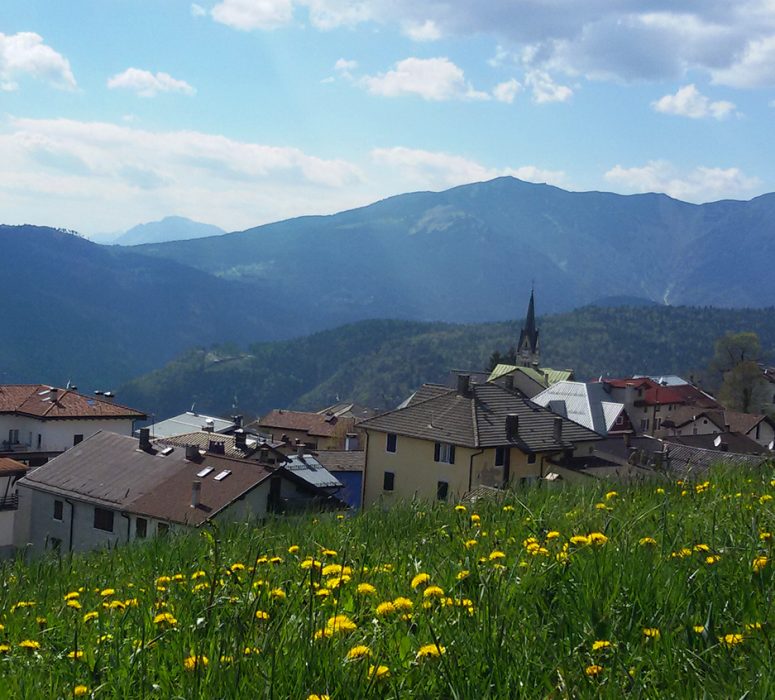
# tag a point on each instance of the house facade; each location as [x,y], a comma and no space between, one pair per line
[446,442]
[10,472]
[38,421]
[318,431]
[113,489]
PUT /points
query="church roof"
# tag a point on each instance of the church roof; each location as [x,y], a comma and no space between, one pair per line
[529,334]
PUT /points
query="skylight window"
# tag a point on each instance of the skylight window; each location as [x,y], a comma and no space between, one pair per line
[167,451]
[204,472]
[222,475]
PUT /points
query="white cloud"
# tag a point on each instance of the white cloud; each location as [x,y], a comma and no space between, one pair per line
[427,31]
[702,184]
[197,10]
[147,84]
[545,89]
[247,15]
[436,170]
[688,101]
[435,79]
[506,91]
[57,167]
[25,54]
[755,67]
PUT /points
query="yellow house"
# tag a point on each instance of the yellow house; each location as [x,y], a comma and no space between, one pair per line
[445,442]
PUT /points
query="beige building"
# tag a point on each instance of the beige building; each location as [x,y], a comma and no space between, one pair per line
[318,431]
[446,442]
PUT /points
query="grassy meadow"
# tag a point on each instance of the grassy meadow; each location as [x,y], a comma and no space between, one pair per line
[660,590]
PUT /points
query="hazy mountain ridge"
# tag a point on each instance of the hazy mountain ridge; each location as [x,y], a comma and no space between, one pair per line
[170,228]
[468,253]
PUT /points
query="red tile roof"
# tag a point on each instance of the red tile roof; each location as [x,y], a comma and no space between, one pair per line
[655,394]
[318,424]
[36,400]
[10,467]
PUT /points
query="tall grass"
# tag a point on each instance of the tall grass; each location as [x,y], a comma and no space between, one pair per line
[674,585]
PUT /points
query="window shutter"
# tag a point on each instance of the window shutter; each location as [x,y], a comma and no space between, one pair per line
[451,454]
[437,452]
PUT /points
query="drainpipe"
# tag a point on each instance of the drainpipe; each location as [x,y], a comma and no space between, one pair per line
[471,468]
[365,469]
[72,515]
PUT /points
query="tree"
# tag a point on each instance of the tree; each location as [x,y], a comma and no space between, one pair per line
[736,361]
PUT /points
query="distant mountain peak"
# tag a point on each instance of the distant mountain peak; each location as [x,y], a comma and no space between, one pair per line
[170,228]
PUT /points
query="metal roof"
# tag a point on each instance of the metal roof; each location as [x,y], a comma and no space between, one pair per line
[188,423]
[545,376]
[309,469]
[587,404]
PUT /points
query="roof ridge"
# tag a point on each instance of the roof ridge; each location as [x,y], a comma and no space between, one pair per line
[403,408]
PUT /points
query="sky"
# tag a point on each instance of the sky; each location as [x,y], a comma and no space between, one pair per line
[243,112]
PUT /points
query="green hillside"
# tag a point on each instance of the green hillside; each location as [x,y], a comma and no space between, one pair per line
[654,591]
[379,363]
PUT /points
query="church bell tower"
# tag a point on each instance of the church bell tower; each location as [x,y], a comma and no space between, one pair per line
[528,353]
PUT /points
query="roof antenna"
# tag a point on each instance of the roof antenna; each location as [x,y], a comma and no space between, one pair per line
[192,407]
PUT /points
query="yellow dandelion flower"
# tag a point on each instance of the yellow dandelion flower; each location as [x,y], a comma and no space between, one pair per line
[237,566]
[76,655]
[293,549]
[80,690]
[593,670]
[597,538]
[475,519]
[262,615]
[651,632]
[322,593]
[72,595]
[74,604]
[331,569]
[699,629]
[358,652]
[379,672]
[765,536]
[460,509]
[29,645]
[579,540]
[165,619]
[310,563]
[759,563]
[386,608]
[610,495]
[316,696]
[601,644]
[89,616]
[601,506]
[647,542]
[420,580]
[249,651]
[276,560]
[277,594]
[464,574]
[329,552]
[731,640]
[402,604]
[198,574]
[192,663]
[366,589]
[496,555]
[430,651]
[4,648]
[107,592]
[701,548]
[765,498]
[552,535]
[433,592]
[660,491]
[469,544]
[340,623]
[712,559]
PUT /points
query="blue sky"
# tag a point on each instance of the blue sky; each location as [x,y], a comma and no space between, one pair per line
[241,112]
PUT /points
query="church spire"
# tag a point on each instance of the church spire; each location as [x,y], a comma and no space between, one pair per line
[527,349]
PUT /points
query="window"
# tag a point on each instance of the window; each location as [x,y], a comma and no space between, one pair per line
[758,430]
[40,440]
[77,439]
[444,452]
[58,510]
[13,436]
[141,527]
[103,519]
[391,442]
[657,423]
[619,420]
[388,481]
[500,456]
[531,459]
[162,529]
[644,424]
[442,489]
[657,408]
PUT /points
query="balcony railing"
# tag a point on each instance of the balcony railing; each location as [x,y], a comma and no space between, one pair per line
[9,502]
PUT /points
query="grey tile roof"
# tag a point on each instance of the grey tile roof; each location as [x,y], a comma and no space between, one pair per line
[342,460]
[479,420]
[202,439]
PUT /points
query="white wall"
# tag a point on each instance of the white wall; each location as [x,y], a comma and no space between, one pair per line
[57,435]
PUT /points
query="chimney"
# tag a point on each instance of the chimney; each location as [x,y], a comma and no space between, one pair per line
[464,384]
[237,420]
[109,396]
[512,426]
[626,441]
[557,429]
[209,425]
[724,447]
[300,447]
[351,442]
[240,439]
[192,453]
[145,439]
[53,393]
[196,493]
[509,381]
[263,454]
[217,447]
[726,428]
[629,394]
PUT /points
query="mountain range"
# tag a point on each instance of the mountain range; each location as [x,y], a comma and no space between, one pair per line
[102,314]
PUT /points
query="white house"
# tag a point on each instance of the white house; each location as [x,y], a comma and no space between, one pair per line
[10,472]
[39,421]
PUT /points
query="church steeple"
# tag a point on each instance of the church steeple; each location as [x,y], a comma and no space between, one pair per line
[527,349]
